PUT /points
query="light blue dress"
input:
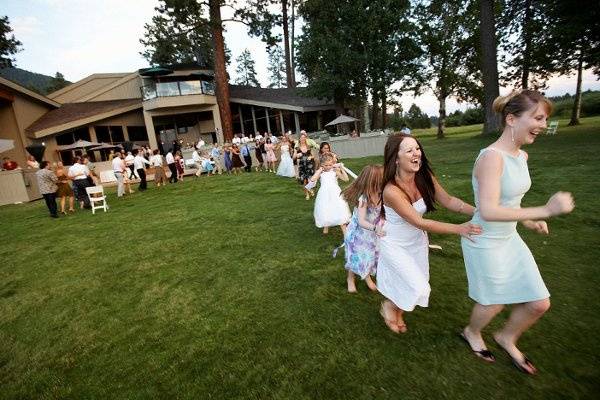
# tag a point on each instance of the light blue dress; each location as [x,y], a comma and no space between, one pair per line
[361,244]
[500,267]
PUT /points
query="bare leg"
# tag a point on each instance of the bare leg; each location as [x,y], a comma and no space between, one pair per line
[71,203]
[481,316]
[370,283]
[326,230]
[63,200]
[389,312]
[343,228]
[350,282]
[522,317]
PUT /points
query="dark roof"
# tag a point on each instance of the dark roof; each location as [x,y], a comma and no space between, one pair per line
[289,96]
[69,112]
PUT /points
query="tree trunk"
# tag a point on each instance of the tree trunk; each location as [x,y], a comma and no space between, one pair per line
[286,44]
[527,45]
[442,118]
[577,104]
[293,45]
[489,66]
[366,122]
[383,109]
[375,111]
[221,81]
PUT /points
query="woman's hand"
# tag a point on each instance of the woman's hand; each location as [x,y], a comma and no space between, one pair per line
[467,230]
[560,203]
[540,227]
[379,231]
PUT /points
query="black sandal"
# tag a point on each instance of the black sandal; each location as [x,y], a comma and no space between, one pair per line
[519,364]
[484,354]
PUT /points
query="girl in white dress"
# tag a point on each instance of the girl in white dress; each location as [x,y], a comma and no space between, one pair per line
[286,165]
[330,207]
[410,190]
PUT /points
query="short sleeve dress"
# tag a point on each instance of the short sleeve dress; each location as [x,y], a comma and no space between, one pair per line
[500,267]
[361,244]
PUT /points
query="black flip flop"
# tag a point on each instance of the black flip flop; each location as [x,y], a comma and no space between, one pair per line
[485,354]
[519,364]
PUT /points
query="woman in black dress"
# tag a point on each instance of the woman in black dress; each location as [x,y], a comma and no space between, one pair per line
[306,164]
[259,148]
[236,159]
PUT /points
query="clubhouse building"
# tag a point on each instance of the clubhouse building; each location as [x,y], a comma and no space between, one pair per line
[146,107]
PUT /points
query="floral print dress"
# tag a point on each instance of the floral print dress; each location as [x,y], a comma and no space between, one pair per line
[361,244]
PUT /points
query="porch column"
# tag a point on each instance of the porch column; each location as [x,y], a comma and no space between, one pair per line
[297,121]
[319,122]
[217,122]
[241,119]
[125,132]
[92,131]
[152,142]
[281,121]
[268,122]
[253,119]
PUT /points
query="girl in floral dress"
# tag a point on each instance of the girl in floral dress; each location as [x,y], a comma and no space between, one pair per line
[360,240]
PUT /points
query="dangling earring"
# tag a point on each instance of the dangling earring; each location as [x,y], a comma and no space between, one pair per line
[512,134]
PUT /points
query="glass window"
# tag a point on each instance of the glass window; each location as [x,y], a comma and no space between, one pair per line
[208,87]
[148,92]
[116,133]
[190,87]
[137,133]
[102,134]
[167,89]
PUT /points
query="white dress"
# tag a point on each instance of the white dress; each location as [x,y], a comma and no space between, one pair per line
[403,267]
[286,166]
[330,207]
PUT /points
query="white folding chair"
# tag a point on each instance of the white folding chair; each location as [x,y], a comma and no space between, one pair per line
[97,198]
[552,128]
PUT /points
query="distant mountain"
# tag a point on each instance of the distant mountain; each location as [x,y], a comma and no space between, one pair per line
[39,83]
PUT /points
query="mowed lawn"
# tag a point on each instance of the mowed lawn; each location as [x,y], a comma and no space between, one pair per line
[222,288]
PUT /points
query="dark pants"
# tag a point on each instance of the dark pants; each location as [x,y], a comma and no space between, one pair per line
[142,174]
[173,169]
[79,186]
[248,161]
[132,174]
[50,199]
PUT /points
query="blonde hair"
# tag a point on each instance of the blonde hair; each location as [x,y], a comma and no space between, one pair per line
[368,184]
[325,157]
[519,101]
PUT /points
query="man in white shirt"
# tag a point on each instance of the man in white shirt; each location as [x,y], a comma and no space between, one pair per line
[79,174]
[138,163]
[119,168]
[172,167]
[200,144]
[197,162]
[129,164]
[258,136]
[215,153]
[236,139]
[274,139]
[405,130]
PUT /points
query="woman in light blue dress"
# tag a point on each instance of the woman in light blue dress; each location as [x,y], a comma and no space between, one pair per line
[500,267]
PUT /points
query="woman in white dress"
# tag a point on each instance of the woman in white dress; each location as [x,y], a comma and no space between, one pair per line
[286,165]
[410,190]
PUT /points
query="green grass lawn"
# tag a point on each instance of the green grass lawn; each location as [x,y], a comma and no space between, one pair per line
[223,288]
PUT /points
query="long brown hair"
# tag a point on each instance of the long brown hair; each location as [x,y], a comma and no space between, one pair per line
[368,184]
[423,177]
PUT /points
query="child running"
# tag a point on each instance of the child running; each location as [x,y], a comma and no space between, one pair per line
[330,207]
[360,240]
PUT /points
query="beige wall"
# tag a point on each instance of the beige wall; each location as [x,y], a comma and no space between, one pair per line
[14,118]
[72,95]
[132,118]
[127,90]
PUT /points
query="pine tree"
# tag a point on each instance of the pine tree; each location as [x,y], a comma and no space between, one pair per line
[276,67]
[9,45]
[57,83]
[245,71]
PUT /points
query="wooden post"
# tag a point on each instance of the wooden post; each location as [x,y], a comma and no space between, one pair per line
[281,119]
[241,119]
[319,122]
[297,121]
[268,122]
[253,119]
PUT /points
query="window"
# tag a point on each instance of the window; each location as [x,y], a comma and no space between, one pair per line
[116,133]
[102,134]
[190,87]
[137,133]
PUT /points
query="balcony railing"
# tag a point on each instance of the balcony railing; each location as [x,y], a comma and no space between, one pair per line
[178,88]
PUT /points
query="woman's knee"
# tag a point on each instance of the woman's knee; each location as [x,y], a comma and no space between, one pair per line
[539,306]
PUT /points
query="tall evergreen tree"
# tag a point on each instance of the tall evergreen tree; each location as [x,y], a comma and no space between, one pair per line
[489,64]
[446,33]
[192,15]
[276,67]
[9,45]
[57,83]
[576,38]
[245,71]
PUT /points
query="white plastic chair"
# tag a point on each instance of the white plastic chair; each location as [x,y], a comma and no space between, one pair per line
[97,198]
[552,128]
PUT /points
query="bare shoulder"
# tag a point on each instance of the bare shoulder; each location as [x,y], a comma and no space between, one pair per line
[525,155]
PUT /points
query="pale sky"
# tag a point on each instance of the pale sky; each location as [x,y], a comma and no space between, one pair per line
[82,37]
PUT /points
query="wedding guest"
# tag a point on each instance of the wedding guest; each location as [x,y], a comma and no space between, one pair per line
[120,171]
[64,188]
[79,174]
[47,184]
[160,178]
[172,167]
